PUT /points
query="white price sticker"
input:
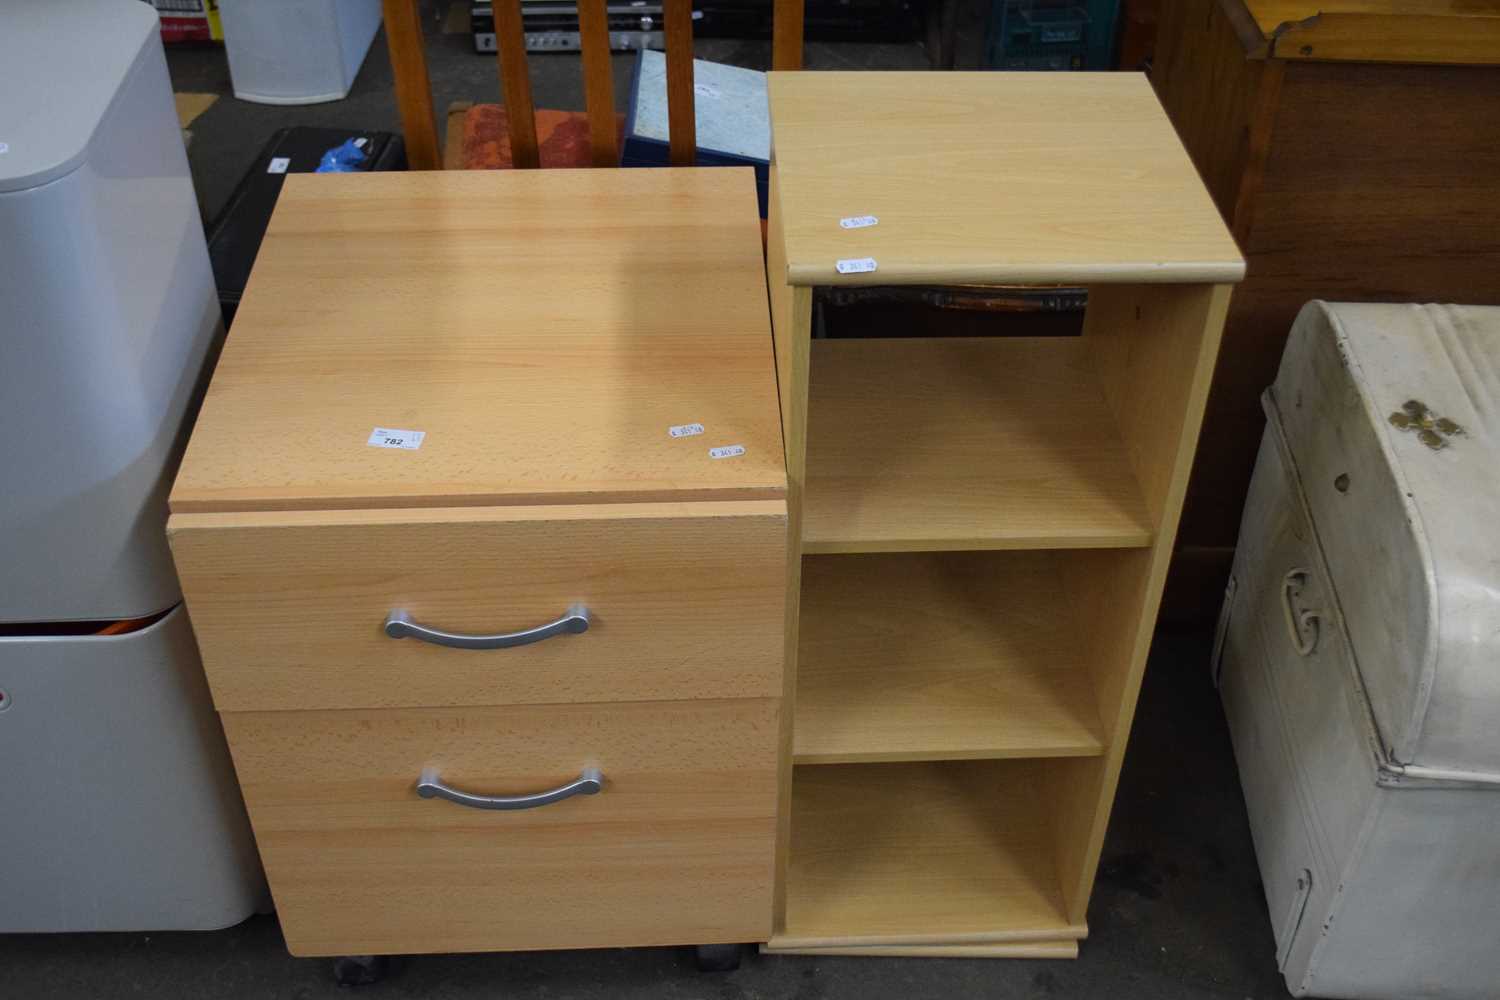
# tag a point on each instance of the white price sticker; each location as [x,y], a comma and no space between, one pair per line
[855,265]
[279,164]
[391,437]
[685,430]
[728,451]
[859,222]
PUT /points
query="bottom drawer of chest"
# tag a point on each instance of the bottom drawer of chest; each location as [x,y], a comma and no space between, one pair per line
[675,847]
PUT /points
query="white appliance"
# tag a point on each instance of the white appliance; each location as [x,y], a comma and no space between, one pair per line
[296,51]
[1359,653]
[121,809]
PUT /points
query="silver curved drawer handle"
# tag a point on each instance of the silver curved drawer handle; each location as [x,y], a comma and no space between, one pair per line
[1298,622]
[430,786]
[398,625]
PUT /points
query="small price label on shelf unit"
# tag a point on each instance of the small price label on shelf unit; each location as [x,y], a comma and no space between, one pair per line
[278,164]
[727,451]
[855,265]
[685,430]
[391,437]
[859,222]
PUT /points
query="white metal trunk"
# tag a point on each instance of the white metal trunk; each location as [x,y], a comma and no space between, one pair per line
[1359,657]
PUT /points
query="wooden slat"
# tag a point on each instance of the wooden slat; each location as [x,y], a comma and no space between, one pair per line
[786,35]
[1402,31]
[682,128]
[403,37]
[598,82]
[515,81]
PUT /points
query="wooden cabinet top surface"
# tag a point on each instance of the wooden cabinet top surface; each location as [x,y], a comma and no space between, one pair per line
[543,329]
[1416,31]
[989,177]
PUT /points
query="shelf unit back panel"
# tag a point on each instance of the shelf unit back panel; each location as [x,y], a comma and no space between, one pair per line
[980,443]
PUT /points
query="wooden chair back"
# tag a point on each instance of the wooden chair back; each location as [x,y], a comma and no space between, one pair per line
[403,28]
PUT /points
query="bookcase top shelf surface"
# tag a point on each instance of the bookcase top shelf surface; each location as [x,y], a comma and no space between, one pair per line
[1029,178]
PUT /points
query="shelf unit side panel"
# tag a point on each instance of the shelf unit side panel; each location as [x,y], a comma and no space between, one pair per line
[791,333]
[1154,348]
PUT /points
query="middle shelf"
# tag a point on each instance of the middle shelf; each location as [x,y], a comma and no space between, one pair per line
[964,443]
[940,656]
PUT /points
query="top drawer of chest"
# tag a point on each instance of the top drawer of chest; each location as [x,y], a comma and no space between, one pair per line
[293,610]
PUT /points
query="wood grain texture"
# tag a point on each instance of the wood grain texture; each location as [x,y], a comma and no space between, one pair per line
[1022,949]
[682,126]
[408,52]
[688,602]
[1381,184]
[598,82]
[1226,127]
[676,848]
[925,853]
[515,85]
[791,327]
[941,656]
[1398,31]
[786,35]
[1155,349]
[938,443]
[1132,208]
[543,329]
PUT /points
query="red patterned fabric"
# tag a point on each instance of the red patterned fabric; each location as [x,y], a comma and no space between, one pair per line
[563,137]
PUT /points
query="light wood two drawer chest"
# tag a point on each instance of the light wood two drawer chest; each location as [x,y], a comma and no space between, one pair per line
[482,531]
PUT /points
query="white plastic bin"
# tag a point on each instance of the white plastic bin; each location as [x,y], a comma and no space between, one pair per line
[109,310]
[121,808]
[296,51]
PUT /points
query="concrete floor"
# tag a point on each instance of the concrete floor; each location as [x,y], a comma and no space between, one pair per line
[1178,911]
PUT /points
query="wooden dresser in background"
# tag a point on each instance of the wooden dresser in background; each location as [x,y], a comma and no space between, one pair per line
[1354,148]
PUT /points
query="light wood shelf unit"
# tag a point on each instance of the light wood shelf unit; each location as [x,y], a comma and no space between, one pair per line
[979,443]
[940,656]
[980,528]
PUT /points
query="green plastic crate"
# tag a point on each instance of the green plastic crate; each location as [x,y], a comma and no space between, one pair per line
[1052,34]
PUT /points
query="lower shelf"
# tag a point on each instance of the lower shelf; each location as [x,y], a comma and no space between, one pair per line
[952,852]
[1019,949]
